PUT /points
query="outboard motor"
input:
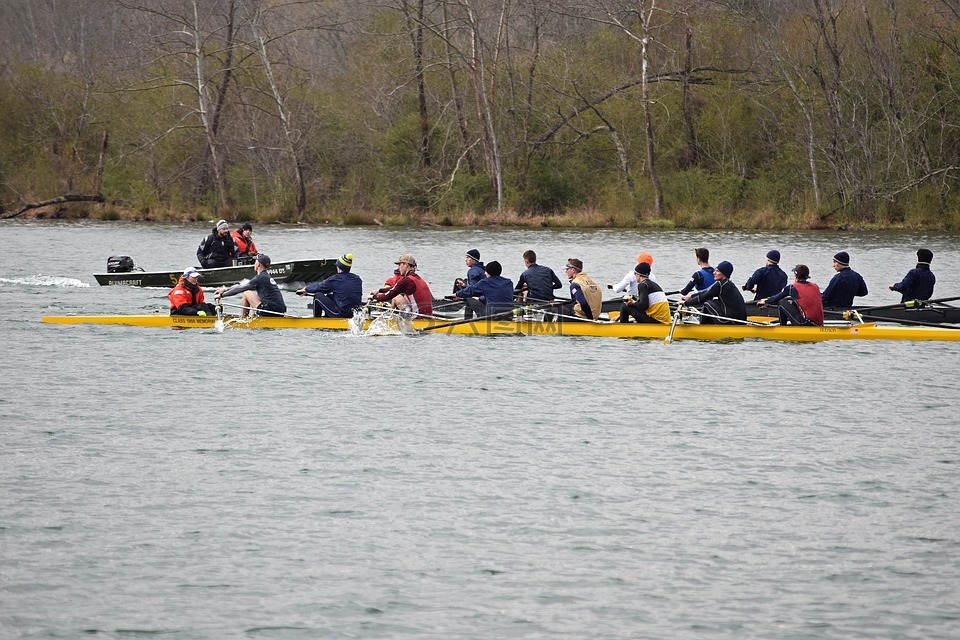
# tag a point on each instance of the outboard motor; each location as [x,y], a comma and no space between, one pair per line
[120,264]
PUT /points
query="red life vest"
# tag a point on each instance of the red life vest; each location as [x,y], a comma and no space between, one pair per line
[244,246]
[182,295]
[810,301]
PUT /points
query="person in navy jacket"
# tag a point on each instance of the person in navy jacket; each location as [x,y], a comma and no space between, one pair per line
[769,279]
[919,281]
[475,273]
[340,294]
[496,290]
[846,284]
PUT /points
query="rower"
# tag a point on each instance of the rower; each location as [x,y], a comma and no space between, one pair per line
[491,296]
[769,279]
[339,295]
[722,300]
[628,283]
[537,282]
[650,304]
[475,273]
[919,282]
[798,303]
[703,277]
[260,293]
[410,293]
[845,284]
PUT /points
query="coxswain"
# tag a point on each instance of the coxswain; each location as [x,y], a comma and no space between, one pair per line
[260,294]
[769,279]
[845,284]
[722,300]
[186,298]
[410,293]
[243,238]
[919,282]
[586,296]
[491,296]
[339,295]
[798,303]
[650,303]
[218,248]
[703,277]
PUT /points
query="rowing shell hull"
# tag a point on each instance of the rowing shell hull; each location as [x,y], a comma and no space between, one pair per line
[936,314]
[305,271]
[868,331]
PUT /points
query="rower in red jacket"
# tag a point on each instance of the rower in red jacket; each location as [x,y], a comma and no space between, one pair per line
[410,293]
[799,303]
[186,299]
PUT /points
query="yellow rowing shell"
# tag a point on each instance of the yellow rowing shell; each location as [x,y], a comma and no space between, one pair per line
[867,331]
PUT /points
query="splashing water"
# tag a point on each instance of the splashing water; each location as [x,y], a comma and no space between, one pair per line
[45,281]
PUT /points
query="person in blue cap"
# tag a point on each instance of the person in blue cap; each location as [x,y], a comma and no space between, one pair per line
[919,281]
[722,302]
[769,279]
[845,284]
[339,295]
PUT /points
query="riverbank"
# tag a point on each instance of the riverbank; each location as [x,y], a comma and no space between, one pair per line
[576,219]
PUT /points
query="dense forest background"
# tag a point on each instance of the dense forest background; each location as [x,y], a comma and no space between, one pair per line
[733,113]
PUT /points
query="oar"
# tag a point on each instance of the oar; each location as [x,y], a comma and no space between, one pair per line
[259,311]
[901,304]
[673,325]
[917,323]
[444,325]
[728,320]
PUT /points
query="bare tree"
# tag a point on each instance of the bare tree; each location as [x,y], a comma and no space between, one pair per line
[196,41]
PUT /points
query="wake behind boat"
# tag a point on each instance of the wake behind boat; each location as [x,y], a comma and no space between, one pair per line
[305,271]
[560,327]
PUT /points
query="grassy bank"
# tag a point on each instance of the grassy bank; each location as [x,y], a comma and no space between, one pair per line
[578,219]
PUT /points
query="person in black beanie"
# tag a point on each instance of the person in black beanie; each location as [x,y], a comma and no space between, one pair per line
[919,282]
[846,284]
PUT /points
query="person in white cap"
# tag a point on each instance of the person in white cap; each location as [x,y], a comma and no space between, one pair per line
[217,249]
[186,299]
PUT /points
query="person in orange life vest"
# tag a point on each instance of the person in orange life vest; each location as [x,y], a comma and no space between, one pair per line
[799,303]
[243,238]
[186,299]
[410,293]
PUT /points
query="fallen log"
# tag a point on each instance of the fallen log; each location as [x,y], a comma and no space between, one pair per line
[69,197]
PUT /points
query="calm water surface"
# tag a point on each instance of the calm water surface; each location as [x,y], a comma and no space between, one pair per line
[295,484]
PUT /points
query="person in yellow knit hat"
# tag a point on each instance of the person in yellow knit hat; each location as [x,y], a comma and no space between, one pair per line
[340,294]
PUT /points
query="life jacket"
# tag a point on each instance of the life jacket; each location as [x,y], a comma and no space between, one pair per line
[244,247]
[185,294]
[708,278]
[808,299]
[592,292]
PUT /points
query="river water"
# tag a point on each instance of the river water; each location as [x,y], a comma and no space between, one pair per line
[300,484]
